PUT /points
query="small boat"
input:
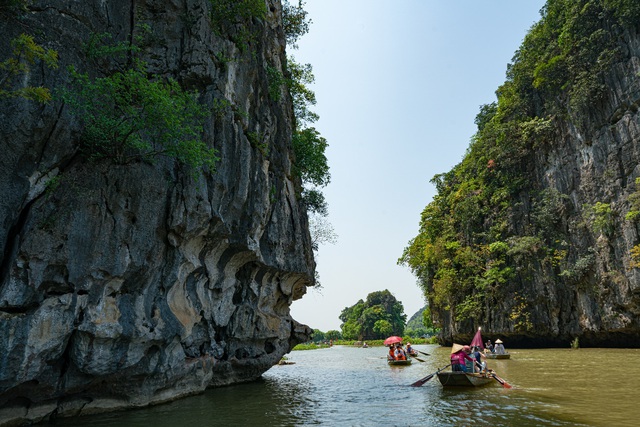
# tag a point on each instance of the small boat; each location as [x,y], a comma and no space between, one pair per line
[463,379]
[399,362]
[497,356]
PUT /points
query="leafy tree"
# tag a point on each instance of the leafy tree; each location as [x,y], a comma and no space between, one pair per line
[379,316]
[234,17]
[333,335]
[300,77]
[295,21]
[383,328]
[25,53]
[321,231]
[318,335]
[128,116]
[310,162]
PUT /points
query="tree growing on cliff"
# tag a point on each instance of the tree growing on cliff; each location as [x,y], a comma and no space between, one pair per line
[234,17]
[310,162]
[477,243]
[25,53]
[378,317]
[129,116]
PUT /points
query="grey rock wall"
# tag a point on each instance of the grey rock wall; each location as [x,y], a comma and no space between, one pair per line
[593,292]
[123,286]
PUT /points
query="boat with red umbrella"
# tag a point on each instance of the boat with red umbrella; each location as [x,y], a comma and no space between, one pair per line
[392,341]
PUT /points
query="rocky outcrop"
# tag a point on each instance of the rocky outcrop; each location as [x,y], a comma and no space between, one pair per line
[124,286]
[592,291]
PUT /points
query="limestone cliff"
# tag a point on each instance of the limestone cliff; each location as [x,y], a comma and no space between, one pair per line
[128,285]
[534,236]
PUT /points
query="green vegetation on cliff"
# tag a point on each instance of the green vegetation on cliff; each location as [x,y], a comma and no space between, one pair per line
[128,115]
[490,226]
[25,53]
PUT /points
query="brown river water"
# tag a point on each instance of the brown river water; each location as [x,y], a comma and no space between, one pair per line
[345,386]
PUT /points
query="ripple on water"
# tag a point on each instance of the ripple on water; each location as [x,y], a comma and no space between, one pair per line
[345,386]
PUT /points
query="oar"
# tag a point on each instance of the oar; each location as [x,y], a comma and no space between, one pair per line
[418,359]
[500,380]
[426,354]
[420,382]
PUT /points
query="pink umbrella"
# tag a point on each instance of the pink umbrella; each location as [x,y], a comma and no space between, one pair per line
[392,340]
[477,340]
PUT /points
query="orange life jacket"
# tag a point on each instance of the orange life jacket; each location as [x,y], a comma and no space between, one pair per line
[401,355]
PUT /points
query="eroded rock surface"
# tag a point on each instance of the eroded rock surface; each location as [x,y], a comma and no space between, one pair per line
[123,286]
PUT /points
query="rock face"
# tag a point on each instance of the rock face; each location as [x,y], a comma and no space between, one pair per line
[593,293]
[123,286]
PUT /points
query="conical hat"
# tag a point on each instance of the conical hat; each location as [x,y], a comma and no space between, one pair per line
[498,341]
[456,348]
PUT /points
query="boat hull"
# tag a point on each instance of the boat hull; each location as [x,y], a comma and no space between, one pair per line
[497,356]
[463,379]
[399,362]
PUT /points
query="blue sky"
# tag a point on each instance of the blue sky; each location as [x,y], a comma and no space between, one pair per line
[398,85]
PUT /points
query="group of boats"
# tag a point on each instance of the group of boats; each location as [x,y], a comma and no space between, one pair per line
[458,378]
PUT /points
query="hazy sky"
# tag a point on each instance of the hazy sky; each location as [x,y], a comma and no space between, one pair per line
[398,85]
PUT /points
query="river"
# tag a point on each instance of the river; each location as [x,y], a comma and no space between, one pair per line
[345,386]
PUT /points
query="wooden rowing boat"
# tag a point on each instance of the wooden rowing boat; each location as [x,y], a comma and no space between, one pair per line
[497,356]
[399,362]
[463,379]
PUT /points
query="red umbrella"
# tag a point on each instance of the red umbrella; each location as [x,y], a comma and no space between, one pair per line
[392,340]
[477,340]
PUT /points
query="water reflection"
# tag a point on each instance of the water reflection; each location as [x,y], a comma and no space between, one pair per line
[345,386]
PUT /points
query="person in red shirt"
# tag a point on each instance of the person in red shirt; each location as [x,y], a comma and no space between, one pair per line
[400,354]
[459,358]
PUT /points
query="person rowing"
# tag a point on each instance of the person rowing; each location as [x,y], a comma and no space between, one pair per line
[410,351]
[459,358]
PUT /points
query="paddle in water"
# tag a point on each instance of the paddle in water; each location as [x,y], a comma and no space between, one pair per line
[422,352]
[420,382]
[500,380]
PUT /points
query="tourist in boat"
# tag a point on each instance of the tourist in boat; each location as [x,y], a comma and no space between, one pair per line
[410,351]
[459,359]
[392,353]
[399,354]
[489,346]
[480,366]
[499,348]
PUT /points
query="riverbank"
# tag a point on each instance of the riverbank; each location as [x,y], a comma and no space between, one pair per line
[370,343]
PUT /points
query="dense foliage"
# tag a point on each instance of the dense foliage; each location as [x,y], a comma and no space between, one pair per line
[310,162]
[233,17]
[380,316]
[129,116]
[469,253]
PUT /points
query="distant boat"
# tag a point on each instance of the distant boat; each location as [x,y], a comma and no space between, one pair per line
[399,362]
[463,379]
[497,356]
[477,342]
